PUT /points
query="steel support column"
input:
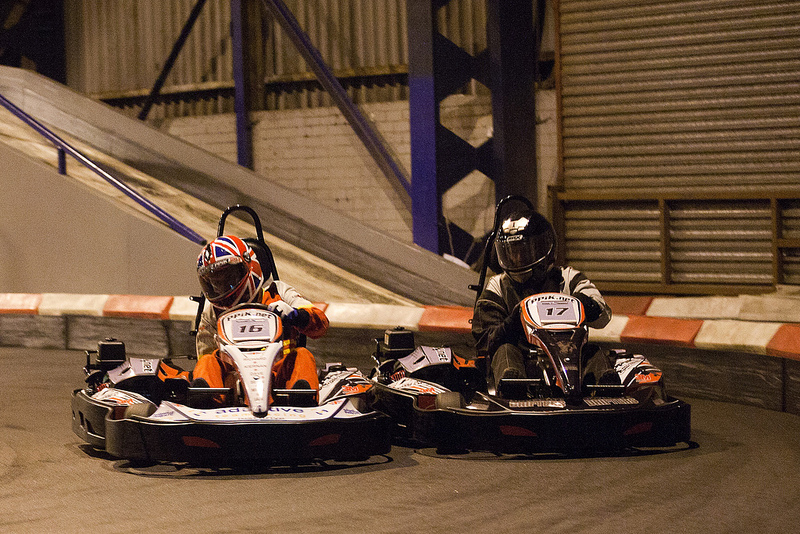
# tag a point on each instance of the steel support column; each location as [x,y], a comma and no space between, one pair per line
[514,49]
[426,209]
[438,68]
[242,82]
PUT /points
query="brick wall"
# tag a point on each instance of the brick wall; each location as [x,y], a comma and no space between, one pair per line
[315,152]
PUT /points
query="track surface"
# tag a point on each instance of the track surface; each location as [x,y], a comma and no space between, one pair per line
[741,476]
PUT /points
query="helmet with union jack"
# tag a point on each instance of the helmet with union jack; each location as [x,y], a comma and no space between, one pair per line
[229,272]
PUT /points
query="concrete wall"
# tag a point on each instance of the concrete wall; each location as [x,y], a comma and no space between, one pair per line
[62,237]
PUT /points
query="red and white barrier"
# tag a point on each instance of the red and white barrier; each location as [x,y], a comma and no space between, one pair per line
[700,322]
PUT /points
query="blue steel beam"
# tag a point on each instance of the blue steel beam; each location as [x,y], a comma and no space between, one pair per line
[426,209]
[241,100]
[176,49]
[360,125]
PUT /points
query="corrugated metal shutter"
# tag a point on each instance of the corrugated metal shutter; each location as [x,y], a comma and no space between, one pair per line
[618,239]
[667,101]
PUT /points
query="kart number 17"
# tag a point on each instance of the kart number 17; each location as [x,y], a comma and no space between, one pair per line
[556,312]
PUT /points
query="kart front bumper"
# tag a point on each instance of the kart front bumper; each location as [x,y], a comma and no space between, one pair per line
[141,438]
[570,430]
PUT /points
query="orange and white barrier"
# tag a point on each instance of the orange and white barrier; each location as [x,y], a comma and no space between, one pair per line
[700,322]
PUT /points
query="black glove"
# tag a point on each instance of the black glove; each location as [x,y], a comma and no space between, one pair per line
[512,326]
[290,316]
[591,308]
[298,318]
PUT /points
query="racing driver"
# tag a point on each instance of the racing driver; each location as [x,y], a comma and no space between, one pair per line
[525,247]
[230,274]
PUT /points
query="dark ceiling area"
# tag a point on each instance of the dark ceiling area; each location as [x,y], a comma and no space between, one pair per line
[32,36]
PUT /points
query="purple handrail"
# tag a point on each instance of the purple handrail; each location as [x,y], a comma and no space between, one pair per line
[64,147]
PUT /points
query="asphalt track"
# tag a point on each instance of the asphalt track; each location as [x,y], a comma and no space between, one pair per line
[740,474]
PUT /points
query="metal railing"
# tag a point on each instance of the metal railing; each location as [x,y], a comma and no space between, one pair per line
[65,148]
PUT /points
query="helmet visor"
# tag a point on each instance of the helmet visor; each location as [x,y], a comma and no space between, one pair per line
[221,280]
[520,252]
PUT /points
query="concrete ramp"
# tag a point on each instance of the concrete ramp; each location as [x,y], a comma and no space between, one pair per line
[194,186]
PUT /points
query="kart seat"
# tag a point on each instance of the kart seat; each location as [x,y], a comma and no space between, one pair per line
[264,256]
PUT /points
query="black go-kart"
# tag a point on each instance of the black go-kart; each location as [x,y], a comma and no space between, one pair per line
[145,409]
[440,399]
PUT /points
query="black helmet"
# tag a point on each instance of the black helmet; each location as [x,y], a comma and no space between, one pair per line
[526,246]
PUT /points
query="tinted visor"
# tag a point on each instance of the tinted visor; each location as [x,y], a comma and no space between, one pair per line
[520,252]
[221,280]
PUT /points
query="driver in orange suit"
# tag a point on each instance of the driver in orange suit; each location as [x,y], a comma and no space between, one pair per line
[230,274]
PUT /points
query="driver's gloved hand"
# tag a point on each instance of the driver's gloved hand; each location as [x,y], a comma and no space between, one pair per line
[512,327]
[290,316]
[298,318]
[591,308]
[281,308]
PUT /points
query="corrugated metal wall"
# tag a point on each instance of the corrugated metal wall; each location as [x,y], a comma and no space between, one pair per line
[116,49]
[680,138]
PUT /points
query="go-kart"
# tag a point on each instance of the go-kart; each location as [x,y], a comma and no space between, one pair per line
[438,398]
[146,409]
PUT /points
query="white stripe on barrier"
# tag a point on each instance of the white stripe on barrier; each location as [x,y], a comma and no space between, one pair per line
[69,304]
[778,308]
[695,307]
[736,335]
[612,331]
[378,316]
[182,309]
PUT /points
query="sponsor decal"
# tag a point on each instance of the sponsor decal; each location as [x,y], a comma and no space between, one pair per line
[538,403]
[355,389]
[413,385]
[647,377]
[423,356]
[344,383]
[610,401]
[236,414]
[348,411]
[118,396]
[443,354]
[625,366]
[166,412]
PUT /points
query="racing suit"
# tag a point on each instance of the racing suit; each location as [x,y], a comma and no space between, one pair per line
[497,328]
[296,363]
